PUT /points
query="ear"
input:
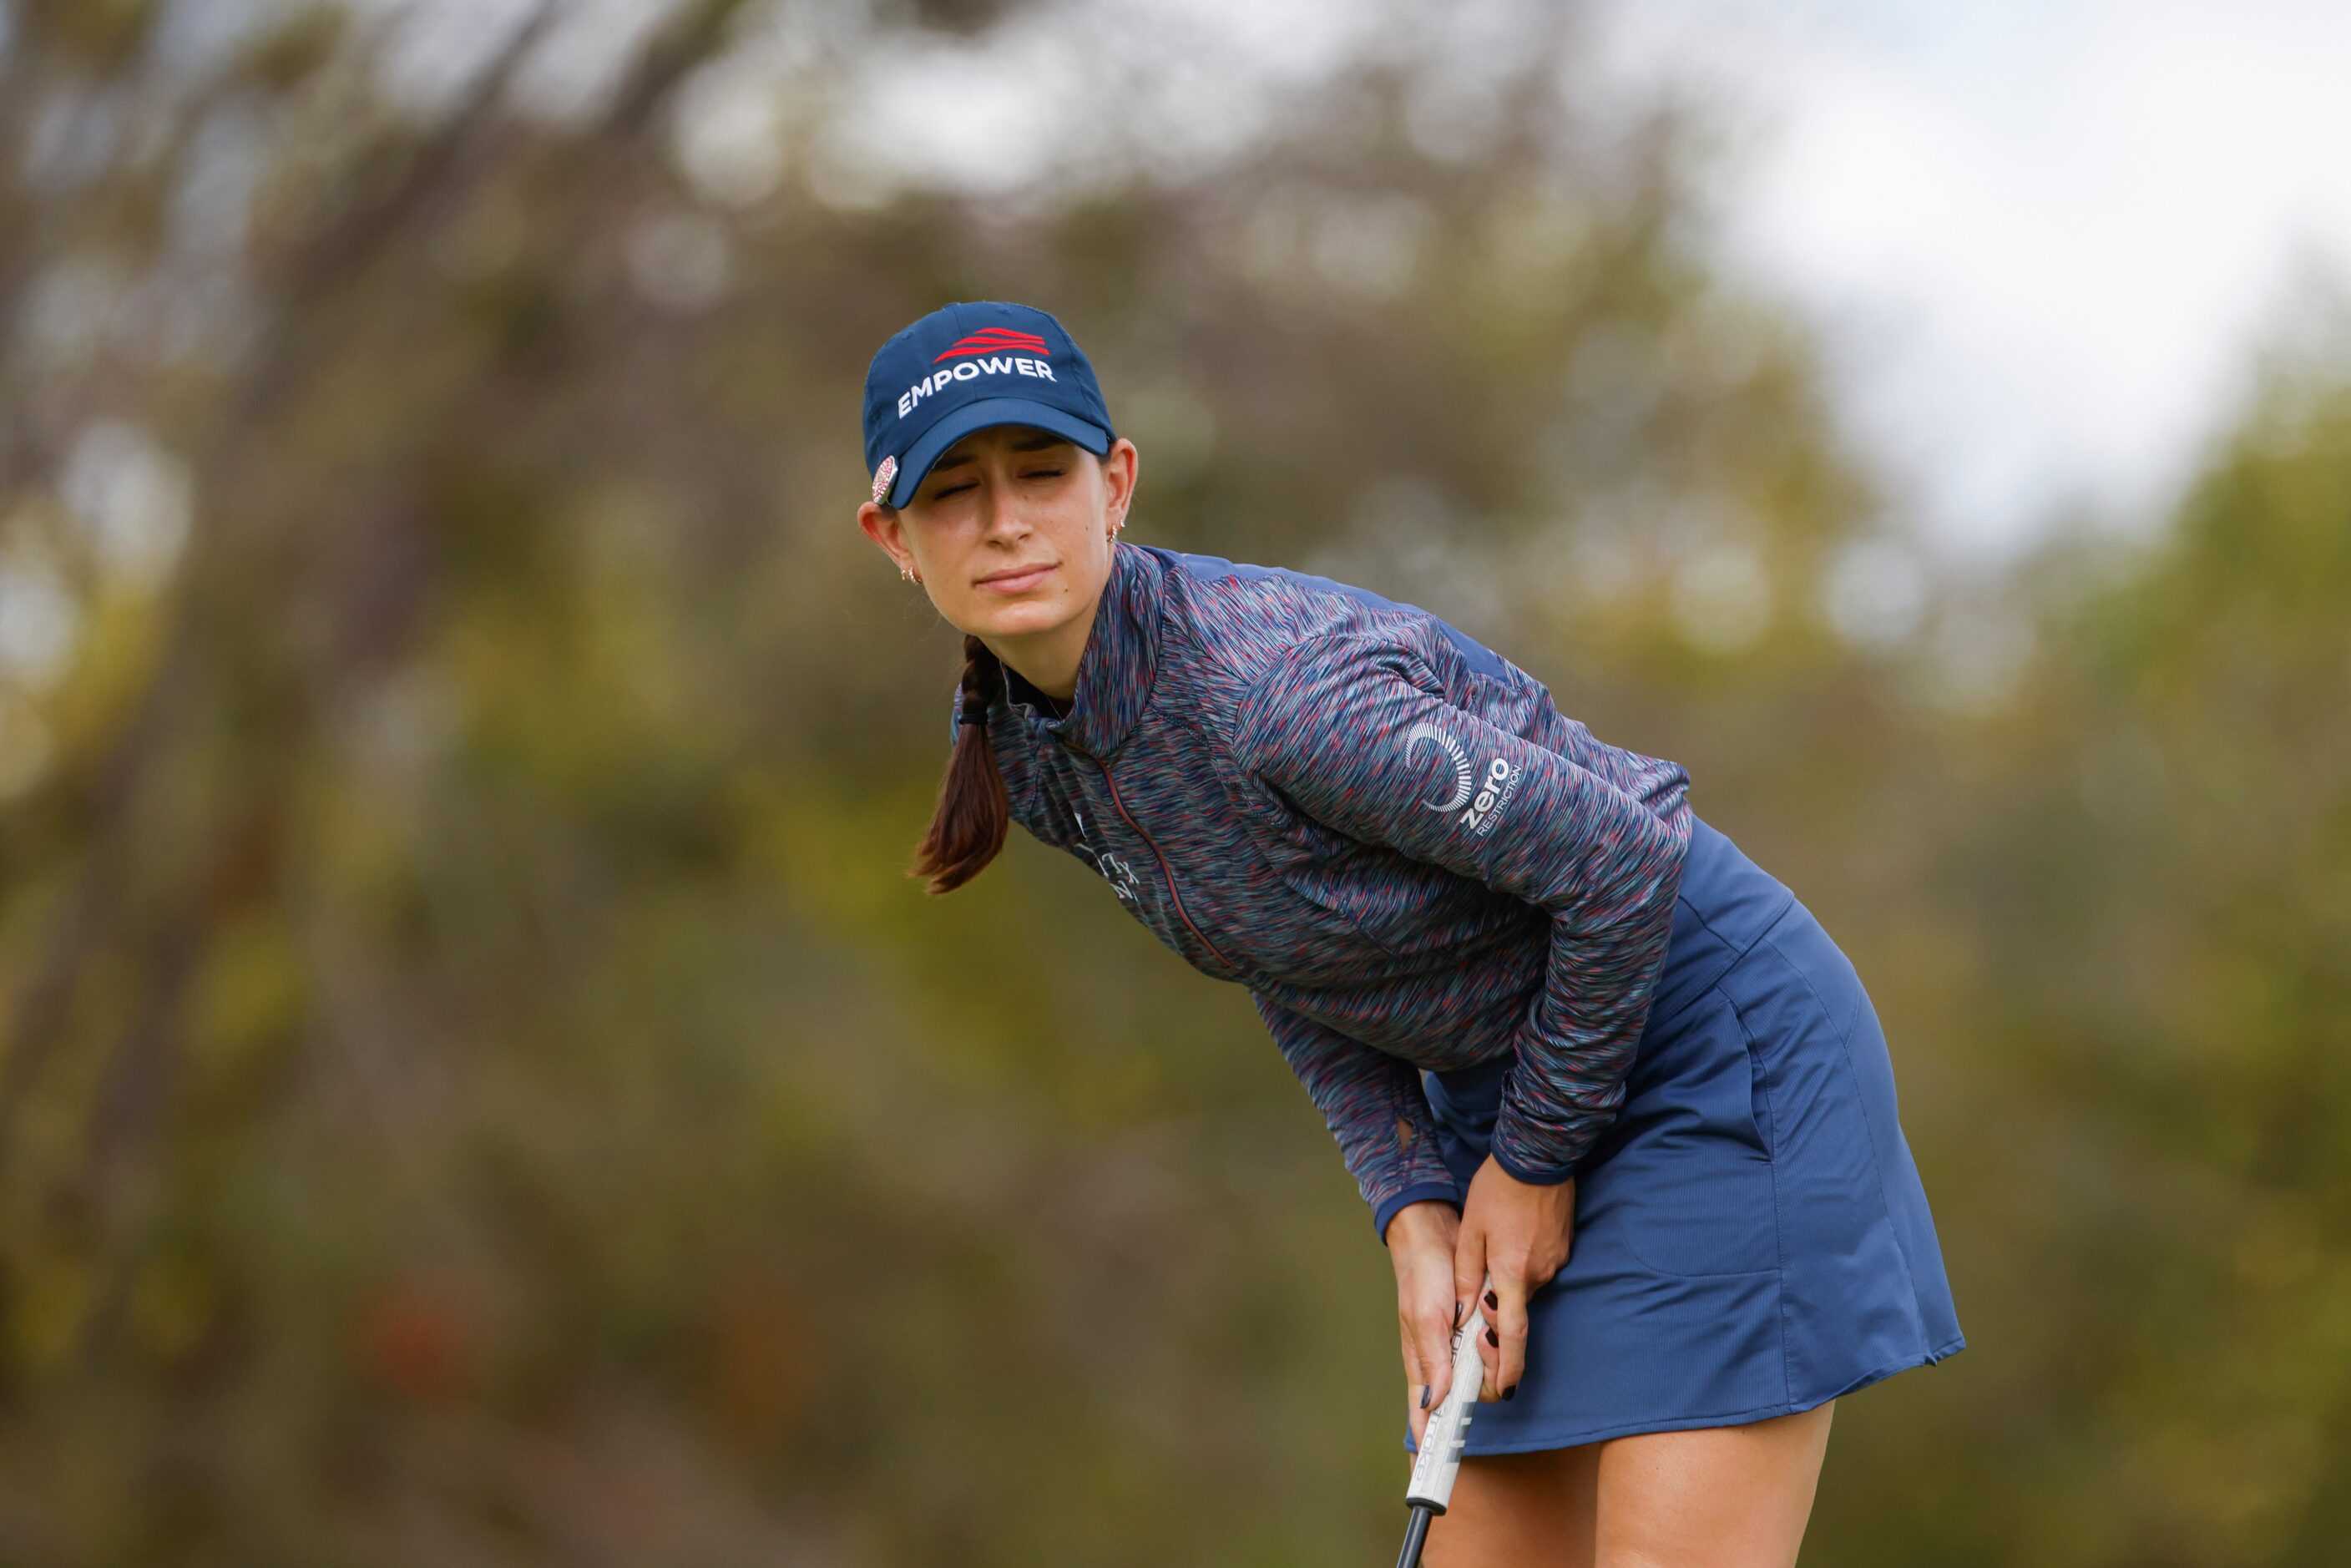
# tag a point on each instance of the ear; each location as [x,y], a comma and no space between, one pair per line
[882,526]
[1120,466]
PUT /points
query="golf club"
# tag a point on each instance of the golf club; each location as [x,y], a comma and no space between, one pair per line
[1431,1486]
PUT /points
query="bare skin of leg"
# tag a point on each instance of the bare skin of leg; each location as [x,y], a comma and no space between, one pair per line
[1718,1497]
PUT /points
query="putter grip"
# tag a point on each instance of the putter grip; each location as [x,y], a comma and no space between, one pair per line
[1449,1424]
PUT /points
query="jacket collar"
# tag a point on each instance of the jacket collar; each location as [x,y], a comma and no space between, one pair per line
[1120,660]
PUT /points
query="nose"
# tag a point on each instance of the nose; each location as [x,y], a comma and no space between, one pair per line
[999,507]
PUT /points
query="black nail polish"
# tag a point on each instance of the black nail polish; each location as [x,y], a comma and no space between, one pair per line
[1511,1392]
[1491,1302]
[1457,1314]
[1492,1340]
[1425,1390]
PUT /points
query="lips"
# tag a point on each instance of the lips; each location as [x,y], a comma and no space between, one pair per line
[1022,577]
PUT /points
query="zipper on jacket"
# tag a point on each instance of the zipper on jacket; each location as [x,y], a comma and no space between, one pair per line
[1164,870]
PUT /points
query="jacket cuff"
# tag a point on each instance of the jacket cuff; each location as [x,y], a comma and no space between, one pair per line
[1419,1192]
[1535,1176]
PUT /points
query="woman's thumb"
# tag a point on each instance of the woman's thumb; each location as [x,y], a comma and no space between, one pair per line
[1433,1348]
[1469,1270]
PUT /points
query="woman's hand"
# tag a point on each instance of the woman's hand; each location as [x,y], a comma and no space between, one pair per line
[1515,1235]
[1420,1240]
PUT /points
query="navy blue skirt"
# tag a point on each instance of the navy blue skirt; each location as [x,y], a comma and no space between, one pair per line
[1751,1237]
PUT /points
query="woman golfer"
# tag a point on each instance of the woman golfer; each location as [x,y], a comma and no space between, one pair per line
[1570,1040]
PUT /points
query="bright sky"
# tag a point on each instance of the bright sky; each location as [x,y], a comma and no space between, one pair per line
[2043,236]
[2040,237]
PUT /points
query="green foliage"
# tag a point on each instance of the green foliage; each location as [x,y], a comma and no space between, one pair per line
[477,1081]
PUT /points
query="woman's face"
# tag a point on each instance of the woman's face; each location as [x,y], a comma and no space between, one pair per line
[1010,531]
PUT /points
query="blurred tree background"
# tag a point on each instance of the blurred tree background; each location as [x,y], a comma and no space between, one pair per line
[476,1084]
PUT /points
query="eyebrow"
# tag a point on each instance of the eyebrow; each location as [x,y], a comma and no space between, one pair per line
[1037,443]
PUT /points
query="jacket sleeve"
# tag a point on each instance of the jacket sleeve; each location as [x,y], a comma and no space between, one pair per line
[1374,1104]
[1357,733]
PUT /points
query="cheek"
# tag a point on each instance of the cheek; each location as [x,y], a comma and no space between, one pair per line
[945,537]
[1086,511]
[1080,541]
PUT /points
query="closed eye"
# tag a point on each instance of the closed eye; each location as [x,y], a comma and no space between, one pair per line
[941,494]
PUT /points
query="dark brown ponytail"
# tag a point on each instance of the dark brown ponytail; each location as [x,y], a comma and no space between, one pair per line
[968,828]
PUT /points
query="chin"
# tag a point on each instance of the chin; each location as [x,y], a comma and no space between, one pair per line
[1022,617]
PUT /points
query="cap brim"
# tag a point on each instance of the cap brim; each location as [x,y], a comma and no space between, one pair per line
[954,426]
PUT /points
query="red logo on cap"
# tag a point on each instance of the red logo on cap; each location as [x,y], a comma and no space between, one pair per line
[995,340]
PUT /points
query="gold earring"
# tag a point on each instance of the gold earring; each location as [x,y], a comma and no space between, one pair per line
[908,573]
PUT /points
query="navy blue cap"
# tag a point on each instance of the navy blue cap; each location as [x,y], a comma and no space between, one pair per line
[964,367]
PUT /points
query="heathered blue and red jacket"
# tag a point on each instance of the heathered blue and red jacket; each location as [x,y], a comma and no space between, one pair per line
[1385,830]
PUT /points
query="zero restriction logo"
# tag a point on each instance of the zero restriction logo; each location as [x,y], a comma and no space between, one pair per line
[1485,797]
